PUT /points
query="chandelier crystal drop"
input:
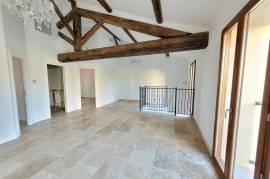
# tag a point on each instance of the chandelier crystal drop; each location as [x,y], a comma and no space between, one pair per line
[40,11]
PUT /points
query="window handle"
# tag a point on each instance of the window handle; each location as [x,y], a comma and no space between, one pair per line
[228,111]
[258,103]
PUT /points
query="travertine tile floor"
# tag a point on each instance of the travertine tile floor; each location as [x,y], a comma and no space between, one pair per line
[116,141]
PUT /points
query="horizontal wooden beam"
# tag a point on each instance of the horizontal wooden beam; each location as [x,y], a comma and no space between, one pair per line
[66,38]
[142,27]
[158,11]
[68,18]
[105,5]
[175,44]
[90,33]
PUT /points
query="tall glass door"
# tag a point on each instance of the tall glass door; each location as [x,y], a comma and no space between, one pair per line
[225,90]
[252,91]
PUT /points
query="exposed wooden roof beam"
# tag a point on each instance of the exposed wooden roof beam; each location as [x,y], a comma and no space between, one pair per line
[73,3]
[90,33]
[66,38]
[158,11]
[130,35]
[68,18]
[62,18]
[109,31]
[116,42]
[105,5]
[142,27]
[190,42]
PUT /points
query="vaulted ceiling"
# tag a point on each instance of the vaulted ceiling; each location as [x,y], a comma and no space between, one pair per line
[168,39]
[192,12]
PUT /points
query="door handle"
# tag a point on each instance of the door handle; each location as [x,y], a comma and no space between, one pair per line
[258,103]
[227,111]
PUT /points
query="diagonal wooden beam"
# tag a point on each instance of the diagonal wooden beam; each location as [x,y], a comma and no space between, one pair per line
[158,11]
[90,33]
[190,42]
[142,27]
[109,31]
[105,5]
[62,18]
[130,35]
[66,38]
[116,42]
[68,18]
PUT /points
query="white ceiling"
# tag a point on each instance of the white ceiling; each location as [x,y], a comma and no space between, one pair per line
[190,12]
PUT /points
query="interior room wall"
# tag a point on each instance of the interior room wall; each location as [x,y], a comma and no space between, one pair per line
[154,70]
[38,56]
[14,26]
[87,83]
[8,118]
[106,80]
[106,76]
[207,73]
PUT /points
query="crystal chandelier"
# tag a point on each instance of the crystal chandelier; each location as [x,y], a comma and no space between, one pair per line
[40,11]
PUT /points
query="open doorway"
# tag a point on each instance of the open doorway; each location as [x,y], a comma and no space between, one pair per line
[20,90]
[88,88]
[56,88]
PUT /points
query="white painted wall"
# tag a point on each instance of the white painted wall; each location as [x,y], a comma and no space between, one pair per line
[154,70]
[8,119]
[106,76]
[207,72]
[106,80]
[72,87]
[42,49]
[15,34]
[87,83]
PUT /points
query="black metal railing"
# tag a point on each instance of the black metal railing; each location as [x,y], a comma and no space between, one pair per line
[164,99]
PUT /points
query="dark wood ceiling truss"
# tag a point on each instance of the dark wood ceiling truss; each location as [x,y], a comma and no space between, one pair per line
[171,40]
